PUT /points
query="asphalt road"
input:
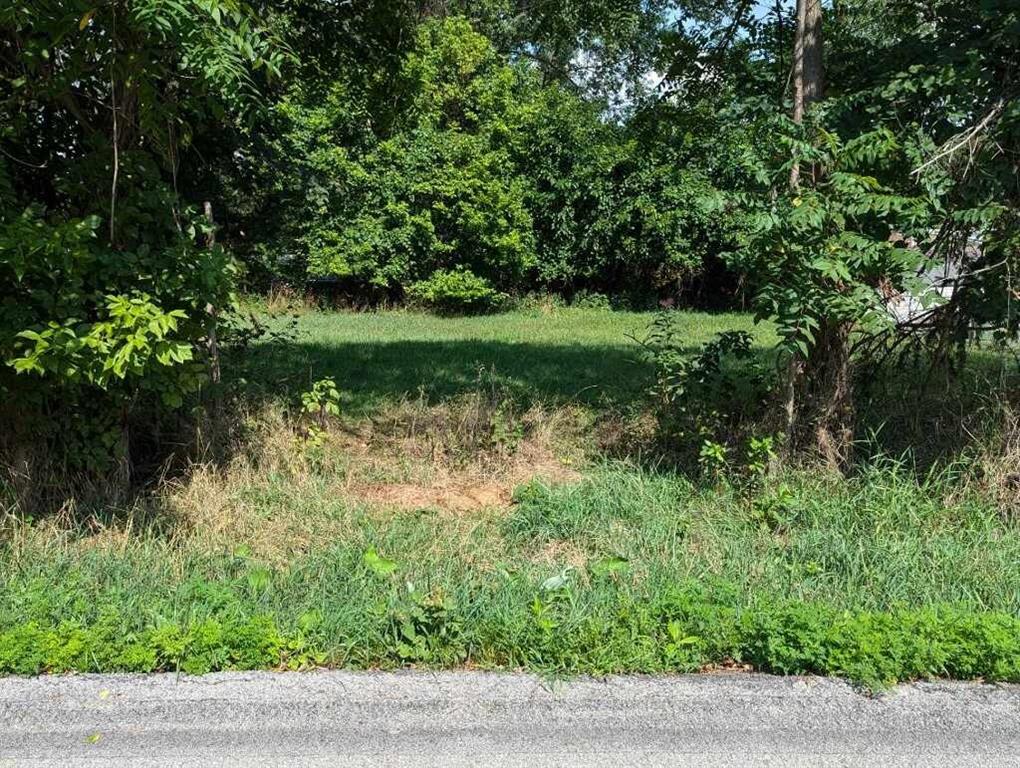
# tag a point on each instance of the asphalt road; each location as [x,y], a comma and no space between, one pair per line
[462,719]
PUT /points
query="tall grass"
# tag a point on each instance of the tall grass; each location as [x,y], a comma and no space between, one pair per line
[541,584]
[350,550]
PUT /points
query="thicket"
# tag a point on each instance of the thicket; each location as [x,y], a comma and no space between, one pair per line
[110,282]
[483,166]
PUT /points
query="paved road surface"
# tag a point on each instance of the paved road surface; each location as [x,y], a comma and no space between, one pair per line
[467,719]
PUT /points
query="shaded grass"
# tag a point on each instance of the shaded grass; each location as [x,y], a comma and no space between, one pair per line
[934,415]
[553,356]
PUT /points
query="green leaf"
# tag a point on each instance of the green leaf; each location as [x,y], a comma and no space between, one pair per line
[378,564]
[609,565]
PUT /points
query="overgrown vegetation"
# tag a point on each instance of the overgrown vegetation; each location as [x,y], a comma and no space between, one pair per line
[476,521]
[493,472]
[881,579]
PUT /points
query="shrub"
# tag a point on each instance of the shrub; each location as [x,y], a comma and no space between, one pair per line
[456,292]
[107,281]
[705,397]
[92,336]
[437,191]
[474,162]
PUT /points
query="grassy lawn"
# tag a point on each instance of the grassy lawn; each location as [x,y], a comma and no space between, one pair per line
[484,525]
[553,356]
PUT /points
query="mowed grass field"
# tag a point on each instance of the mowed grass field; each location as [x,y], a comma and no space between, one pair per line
[554,356]
[463,512]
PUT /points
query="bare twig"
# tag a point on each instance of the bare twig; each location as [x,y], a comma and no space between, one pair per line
[970,138]
[116,157]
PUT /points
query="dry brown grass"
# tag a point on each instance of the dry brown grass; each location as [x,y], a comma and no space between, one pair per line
[998,460]
[459,456]
[559,553]
[285,298]
[282,495]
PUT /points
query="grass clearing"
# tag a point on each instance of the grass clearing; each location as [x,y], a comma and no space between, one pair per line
[466,521]
[553,356]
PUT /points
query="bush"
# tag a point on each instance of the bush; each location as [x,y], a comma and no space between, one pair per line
[378,211]
[457,292]
[95,337]
[706,398]
[107,281]
[478,164]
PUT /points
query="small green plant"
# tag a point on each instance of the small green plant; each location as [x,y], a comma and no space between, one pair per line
[456,292]
[377,564]
[591,300]
[554,594]
[318,404]
[774,510]
[682,649]
[507,431]
[760,456]
[427,629]
[712,458]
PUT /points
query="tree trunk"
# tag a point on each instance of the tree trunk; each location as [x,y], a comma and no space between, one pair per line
[809,79]
[823,381]
[781,72]
[826,373]
[807,88]
[808,70]
[831,385]
[212,337]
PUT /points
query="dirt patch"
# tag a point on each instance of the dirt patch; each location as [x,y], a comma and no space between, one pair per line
[408,457]
[443,457]
[458,493]
[459,498]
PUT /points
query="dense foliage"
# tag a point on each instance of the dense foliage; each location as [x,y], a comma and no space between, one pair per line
[482,166]
[459,155]
[106,278]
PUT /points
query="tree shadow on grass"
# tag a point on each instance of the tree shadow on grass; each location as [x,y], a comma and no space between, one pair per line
[372,373]
[929,418]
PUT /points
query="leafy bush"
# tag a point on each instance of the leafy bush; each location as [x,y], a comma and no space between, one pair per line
[92,335]
[480,164]
[107,277]
[704,397]
[436,191]
[423,201]
[456,292]
[427,629]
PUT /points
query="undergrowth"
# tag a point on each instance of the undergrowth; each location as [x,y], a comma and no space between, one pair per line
[877,578]
[454,506]
[683,629]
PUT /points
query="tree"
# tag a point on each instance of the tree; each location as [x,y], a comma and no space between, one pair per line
[830,248]
[105,277]
[808,85]
[480,164]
